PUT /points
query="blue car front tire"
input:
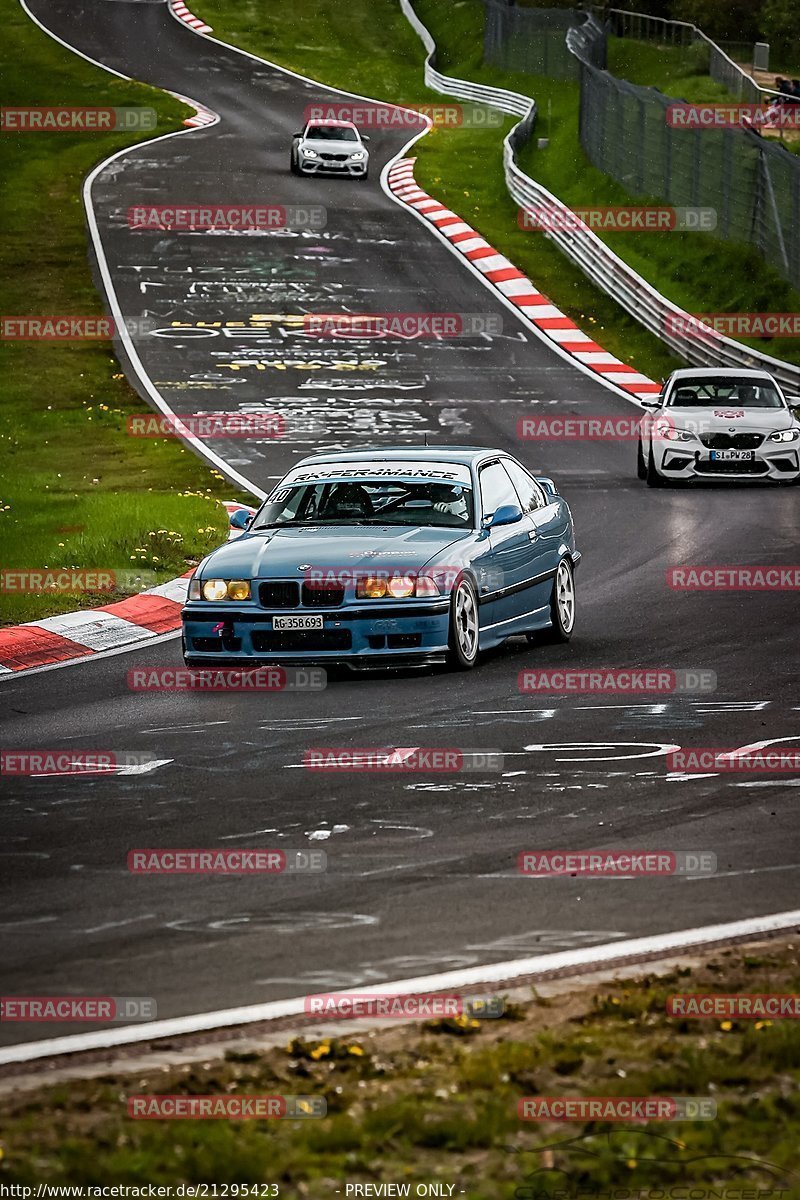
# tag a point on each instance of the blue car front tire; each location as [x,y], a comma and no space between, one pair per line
[464,625]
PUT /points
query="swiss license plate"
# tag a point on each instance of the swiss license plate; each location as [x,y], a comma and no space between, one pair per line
[732,455]
[314,622]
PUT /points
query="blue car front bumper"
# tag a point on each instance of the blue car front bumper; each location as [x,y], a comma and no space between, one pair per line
[360,635]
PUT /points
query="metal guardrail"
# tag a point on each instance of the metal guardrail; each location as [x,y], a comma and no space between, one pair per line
[584,248]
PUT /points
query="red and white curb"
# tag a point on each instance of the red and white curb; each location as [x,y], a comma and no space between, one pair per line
[516,287]
[81,634]
[203,116]
[183,14]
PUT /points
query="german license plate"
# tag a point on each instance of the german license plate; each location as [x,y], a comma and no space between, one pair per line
[732,455]
[315,622]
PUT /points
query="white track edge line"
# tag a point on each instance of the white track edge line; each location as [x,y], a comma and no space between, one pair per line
[111,296]
[593,957]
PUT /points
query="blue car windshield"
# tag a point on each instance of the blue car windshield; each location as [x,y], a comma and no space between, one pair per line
[368,502]
[737,393]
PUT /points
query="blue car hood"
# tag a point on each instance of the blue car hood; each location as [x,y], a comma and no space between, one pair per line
[281,553]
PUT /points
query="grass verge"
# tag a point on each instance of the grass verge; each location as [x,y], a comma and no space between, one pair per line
[678,71]
[76,490]
[438,1102]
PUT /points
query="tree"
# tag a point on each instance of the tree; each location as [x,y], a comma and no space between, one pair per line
[780,26]
[725,20]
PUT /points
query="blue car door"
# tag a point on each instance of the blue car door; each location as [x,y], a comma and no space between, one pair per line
[550,527]
[506,564]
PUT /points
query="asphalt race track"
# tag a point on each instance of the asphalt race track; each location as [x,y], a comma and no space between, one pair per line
[421,869]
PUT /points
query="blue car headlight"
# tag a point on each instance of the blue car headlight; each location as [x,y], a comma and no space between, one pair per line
[219,589]
[395,587]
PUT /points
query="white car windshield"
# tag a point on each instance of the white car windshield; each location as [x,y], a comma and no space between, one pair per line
[331,133]
[368,502]
[725,392]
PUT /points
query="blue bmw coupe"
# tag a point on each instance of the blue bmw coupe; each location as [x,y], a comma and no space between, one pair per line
[382,557]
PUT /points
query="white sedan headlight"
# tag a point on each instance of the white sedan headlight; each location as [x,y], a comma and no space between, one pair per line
[357,154]
[785,435]
[670,434]
[309,153]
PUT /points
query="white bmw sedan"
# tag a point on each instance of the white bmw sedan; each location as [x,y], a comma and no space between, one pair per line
[330,147]
[719,424]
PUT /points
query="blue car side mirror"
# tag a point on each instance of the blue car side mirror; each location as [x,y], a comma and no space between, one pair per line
[506,514]
[240,519]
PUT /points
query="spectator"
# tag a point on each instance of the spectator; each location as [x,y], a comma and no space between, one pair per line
[794,92]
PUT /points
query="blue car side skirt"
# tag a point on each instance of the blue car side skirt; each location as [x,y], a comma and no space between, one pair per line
[513,588]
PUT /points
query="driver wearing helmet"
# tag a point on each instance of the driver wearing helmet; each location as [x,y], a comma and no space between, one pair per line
[448,498]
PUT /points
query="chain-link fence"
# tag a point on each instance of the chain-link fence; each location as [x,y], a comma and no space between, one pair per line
[721,66]
[753,184]
[530,39]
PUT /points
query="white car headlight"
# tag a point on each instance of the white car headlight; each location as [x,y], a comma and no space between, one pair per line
[670,434]
[309,153]
[357,154]
[785,435]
